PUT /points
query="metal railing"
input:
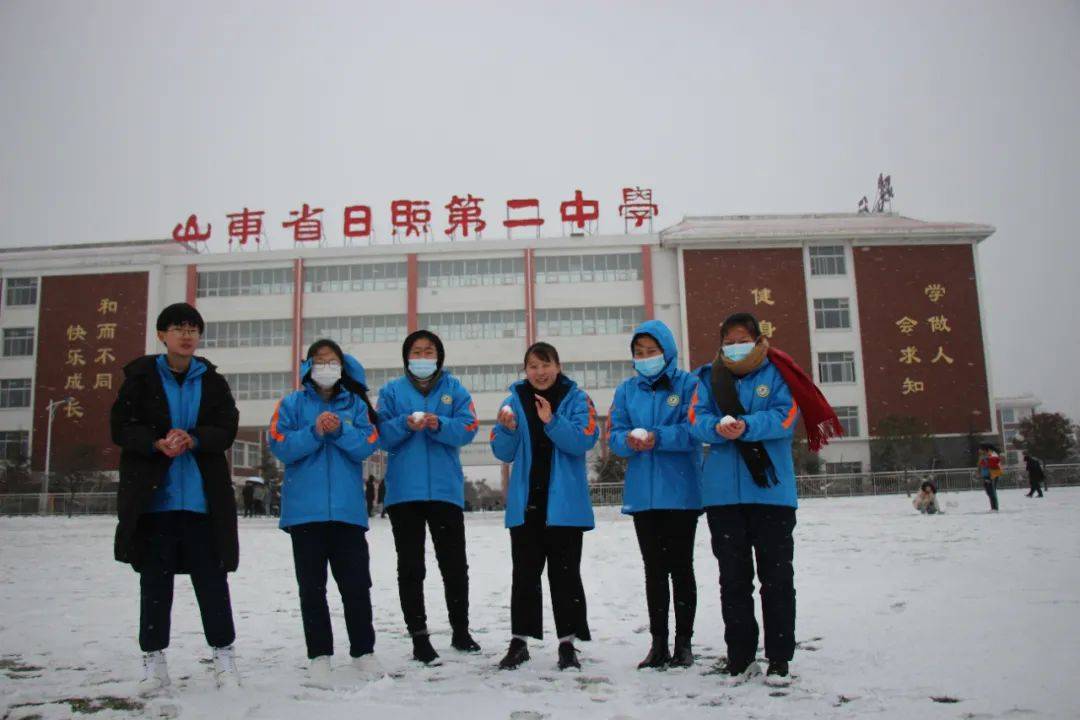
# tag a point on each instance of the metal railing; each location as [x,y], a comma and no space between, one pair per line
[888,483]
[810,486]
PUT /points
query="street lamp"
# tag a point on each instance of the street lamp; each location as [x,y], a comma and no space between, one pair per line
[52,407]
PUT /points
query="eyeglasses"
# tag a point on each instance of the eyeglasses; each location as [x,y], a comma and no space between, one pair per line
[185,331]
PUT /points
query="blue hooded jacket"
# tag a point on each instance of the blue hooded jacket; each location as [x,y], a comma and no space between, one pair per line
[771,416]
[573,432]
[324,474]
[426,464]
[183,488]
[668,477]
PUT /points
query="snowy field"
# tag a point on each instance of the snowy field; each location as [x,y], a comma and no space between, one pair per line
[964,615]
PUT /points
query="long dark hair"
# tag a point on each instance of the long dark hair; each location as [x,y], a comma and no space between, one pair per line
[346,382]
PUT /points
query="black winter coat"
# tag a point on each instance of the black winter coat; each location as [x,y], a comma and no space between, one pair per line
[140,416]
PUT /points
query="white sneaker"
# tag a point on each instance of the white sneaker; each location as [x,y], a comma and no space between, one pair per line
[319,671]
[225,673]
[368,667]
[155,673]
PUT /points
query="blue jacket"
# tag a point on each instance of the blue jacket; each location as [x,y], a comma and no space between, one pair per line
[667,477]
[183,488]
[771,415]
[324,474]
[426,464]
[573,432]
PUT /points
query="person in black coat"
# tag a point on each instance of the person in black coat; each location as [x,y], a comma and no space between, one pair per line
[369,495]
[381,498]
[174,419]
[1036,476]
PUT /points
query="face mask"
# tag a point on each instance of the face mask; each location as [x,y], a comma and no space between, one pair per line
[650,367]
[738,351]
[326,375]
[422,368]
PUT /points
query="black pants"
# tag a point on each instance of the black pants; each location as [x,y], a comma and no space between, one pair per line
[666,540]
[249,507]
[738,533]
[990,486]
[345,548]
[531,546]
[181,542]
[1035,485]
[447,524]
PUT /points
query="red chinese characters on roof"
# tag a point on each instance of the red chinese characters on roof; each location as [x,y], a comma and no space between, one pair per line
[412,216]
[357,222]
[638,206]
[245,225]
[306,227]
[579,211]
[465,212]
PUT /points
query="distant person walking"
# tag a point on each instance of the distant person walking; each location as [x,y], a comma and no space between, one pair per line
[1036,475]
[990,471]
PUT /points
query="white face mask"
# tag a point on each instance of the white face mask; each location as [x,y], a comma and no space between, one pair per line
[325,375]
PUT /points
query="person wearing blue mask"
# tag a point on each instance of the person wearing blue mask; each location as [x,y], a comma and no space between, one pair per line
[649,424]
[545,428]
[323,432]
[174,420]
[425,417]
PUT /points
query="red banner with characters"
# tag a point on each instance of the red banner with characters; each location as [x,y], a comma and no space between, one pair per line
[89,327]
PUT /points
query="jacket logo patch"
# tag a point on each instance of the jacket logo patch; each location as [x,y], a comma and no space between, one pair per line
[447,400]
[674,400]
[763,391]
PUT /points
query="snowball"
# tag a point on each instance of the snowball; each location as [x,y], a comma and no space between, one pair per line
[639,434]
[728,420]
[507,409]
[417,416]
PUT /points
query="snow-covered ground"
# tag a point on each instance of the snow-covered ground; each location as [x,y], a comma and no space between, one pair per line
[964,615]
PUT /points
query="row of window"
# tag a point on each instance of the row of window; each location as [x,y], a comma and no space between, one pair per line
[229,283]
[472,273]
[248,333]
[588,268]
[356,329]
[14,445]
[353,278]
[476,325]
[565,322]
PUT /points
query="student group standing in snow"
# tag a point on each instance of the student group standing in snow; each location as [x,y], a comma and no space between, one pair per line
[715,441]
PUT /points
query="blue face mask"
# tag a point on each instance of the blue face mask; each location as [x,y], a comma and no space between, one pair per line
[738,351]
[650,367]
[422,368]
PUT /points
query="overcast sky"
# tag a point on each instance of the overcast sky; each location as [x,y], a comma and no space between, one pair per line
[118,119]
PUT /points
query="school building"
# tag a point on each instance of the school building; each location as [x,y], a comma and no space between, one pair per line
[883,309]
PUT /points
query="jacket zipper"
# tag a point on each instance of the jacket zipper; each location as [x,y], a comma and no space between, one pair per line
[329,476]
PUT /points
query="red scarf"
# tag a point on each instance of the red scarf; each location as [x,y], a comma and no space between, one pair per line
[818,416]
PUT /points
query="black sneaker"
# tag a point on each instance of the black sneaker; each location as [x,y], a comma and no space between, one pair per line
[463,642]
[515,655]
[736,668]
[683,656]
[568,656]
[778,667]
[658,656]
[422,650]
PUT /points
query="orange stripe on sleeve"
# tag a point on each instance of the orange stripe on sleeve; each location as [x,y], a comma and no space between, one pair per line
[475,424]
[591,428]
[792,414]
[692,415]
[274,433]
[374,436]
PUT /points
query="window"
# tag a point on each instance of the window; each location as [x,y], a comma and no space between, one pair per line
[355,278]
[21,291]
[259,386]
[246,454]
[478,325]
[15,393]
[836,367]
[831,313]
[588,321]
[356,329]
[487,378]
[18,342]
[598,374]
[248,333]
[1008,416]
[849,420]
[15,446]
[472,273]
[377,377]
[228,283]
[588,268]
[843,468]
[827,260]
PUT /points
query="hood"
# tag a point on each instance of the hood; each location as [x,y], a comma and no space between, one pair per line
[413,337]
[352,369]
[663,335]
